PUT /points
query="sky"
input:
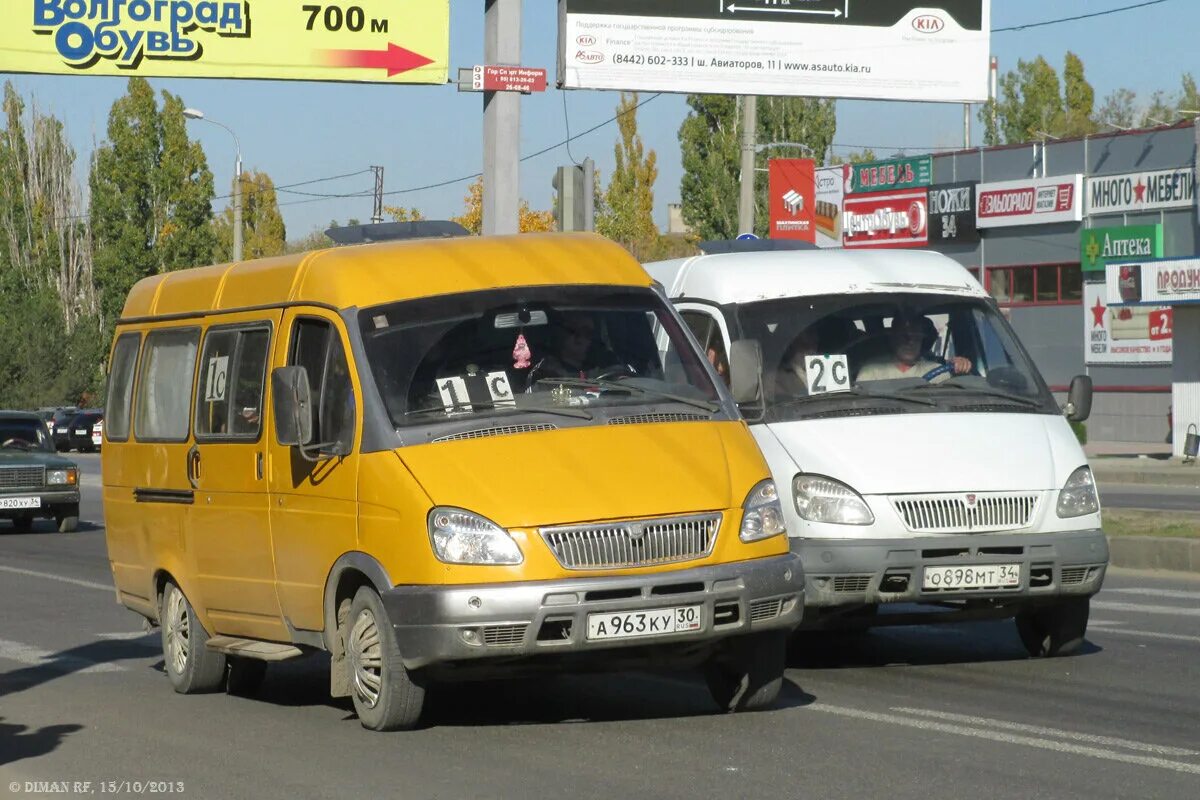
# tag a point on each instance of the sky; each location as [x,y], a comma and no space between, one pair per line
[421,135]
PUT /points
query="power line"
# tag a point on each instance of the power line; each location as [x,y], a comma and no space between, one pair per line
[1044,23]
[304,183]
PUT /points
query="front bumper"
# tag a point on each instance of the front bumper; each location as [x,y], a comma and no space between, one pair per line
[853,572]
[440,624]
[51,501]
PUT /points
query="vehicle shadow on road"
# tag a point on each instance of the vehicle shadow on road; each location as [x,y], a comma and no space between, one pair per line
[917,646]
[18,742]
[77,659]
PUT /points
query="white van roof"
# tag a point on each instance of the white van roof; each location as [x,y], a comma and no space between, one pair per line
[749,277]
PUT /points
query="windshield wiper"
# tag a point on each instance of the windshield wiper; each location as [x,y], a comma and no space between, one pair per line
[617,386]
[578,413]
[858,391]
[1015,398]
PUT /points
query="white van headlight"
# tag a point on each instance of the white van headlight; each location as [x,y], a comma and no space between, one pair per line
[460,537]
[821,499]
[1078,496]
[762,515]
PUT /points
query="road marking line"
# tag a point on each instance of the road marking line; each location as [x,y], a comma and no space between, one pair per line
[34,657]
[1009,738]
[1172,593]
[1174,611]
[73,581]
[1110,741]
[1177,637]
[1111,622]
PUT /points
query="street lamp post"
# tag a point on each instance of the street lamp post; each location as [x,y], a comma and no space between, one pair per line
[192,113]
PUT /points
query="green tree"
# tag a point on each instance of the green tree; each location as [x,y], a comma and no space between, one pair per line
[1166,107]
[1033,100]
[627,215]
[263,232]
[315,240]
[151,196]
[1079,100]
[711,150]
[1119,109]
[857,157]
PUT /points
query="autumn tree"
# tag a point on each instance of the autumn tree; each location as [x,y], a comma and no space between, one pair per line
[263,232]
[529,221]
[628,209]
[1166,107]
[401,214]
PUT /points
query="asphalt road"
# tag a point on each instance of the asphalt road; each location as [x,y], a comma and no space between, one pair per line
[936,711]
[1159,498]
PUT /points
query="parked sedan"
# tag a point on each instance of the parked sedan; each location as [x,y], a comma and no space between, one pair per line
[35,482]
[79,432]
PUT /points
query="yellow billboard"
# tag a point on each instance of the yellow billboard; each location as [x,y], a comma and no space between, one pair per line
[378,41]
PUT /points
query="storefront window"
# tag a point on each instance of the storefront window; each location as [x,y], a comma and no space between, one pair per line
[1041,284]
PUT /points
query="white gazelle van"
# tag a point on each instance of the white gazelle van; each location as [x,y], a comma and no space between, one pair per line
[924,458]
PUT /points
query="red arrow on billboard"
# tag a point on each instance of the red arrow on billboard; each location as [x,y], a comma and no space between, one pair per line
[395,59]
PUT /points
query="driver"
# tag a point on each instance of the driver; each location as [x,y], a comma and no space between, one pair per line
[571,351]
[906,357]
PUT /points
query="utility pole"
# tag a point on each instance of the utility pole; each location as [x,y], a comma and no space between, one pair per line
[377,216]
[501,121]
[749,138]
[966,126]
[589,194]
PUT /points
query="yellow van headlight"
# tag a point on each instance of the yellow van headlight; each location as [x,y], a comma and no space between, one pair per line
[762,515]
[461,537]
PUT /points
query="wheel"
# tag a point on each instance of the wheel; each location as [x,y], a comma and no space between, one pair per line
[1056,630]
[748,675]
[192,667]
[386,697]
[22,524]
[67,524]
[245,676]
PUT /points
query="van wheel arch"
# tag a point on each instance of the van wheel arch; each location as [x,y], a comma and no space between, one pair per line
[350,573]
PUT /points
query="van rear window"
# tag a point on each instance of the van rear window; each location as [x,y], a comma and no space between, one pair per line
[120,386]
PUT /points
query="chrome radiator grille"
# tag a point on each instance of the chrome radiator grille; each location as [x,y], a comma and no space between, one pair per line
[22,477]
[966,512]
[635,543]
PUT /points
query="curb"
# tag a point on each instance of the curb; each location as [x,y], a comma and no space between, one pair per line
[1190,481]
[1148,552]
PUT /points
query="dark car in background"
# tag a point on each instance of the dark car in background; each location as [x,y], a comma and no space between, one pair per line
[79,432]
[60,427]
[35,482]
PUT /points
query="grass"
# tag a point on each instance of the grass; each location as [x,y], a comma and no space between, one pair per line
[1175,525]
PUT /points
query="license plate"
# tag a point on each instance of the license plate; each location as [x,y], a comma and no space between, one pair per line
[980,576]
[20,502]
[62,430]
[81,431]
[650,622]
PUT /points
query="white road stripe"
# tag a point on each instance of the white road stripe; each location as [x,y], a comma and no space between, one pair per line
[1172,593]
[1010,738]
[34,657]
[1109,741]
[1110,622]
[61,578]
[1174,611]
[1177,637]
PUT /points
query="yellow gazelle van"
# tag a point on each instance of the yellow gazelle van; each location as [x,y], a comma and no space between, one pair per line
[438,460]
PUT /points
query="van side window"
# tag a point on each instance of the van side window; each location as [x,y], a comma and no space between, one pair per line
[165,385]
[229,394]
[120,386]
[317,347]
[706,330]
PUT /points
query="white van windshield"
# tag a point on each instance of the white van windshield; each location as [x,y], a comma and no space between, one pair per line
[563,350]
[840,355]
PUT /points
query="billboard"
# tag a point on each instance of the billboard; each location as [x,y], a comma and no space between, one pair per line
[952,214]
[1115,334]
[831,188]
[792,199]
[886,219]
[896,173]
[930,50]
[1032,201]
[1097,246]
[1168,280]
[378,41]
[1141,191]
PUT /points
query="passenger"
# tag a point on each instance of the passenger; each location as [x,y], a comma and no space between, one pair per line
[792,378]
[716,357]
[907,357]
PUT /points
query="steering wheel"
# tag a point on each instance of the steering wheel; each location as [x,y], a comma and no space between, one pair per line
[14,442]
[616,373]
[937,372]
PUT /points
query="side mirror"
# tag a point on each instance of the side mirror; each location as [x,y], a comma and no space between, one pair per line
[293,406]
[1079,399]
[745,371]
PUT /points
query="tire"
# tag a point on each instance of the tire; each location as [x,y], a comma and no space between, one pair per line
[386,697]
[191,666]
[748,675]
[67,524]
[245,676]
[22,524]
[1056,630]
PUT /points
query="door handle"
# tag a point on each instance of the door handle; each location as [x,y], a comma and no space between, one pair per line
[193,466]
[258,465]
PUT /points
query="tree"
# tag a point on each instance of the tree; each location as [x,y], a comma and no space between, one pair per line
[1078,100]
[710,145]
[1166,107]
[627,216]
[315,240]
[401,214]
[857,157]
[1119,109]
[1034,101]
[151,197]
[530,221]
[263,232]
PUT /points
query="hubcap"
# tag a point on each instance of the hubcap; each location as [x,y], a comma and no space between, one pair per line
[178,631]
[366,661]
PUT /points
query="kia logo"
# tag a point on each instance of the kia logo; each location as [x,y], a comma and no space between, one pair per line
[928,23]
[589,57]
[585,40]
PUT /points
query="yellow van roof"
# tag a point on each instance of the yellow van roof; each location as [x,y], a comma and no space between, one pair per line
[368,275]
